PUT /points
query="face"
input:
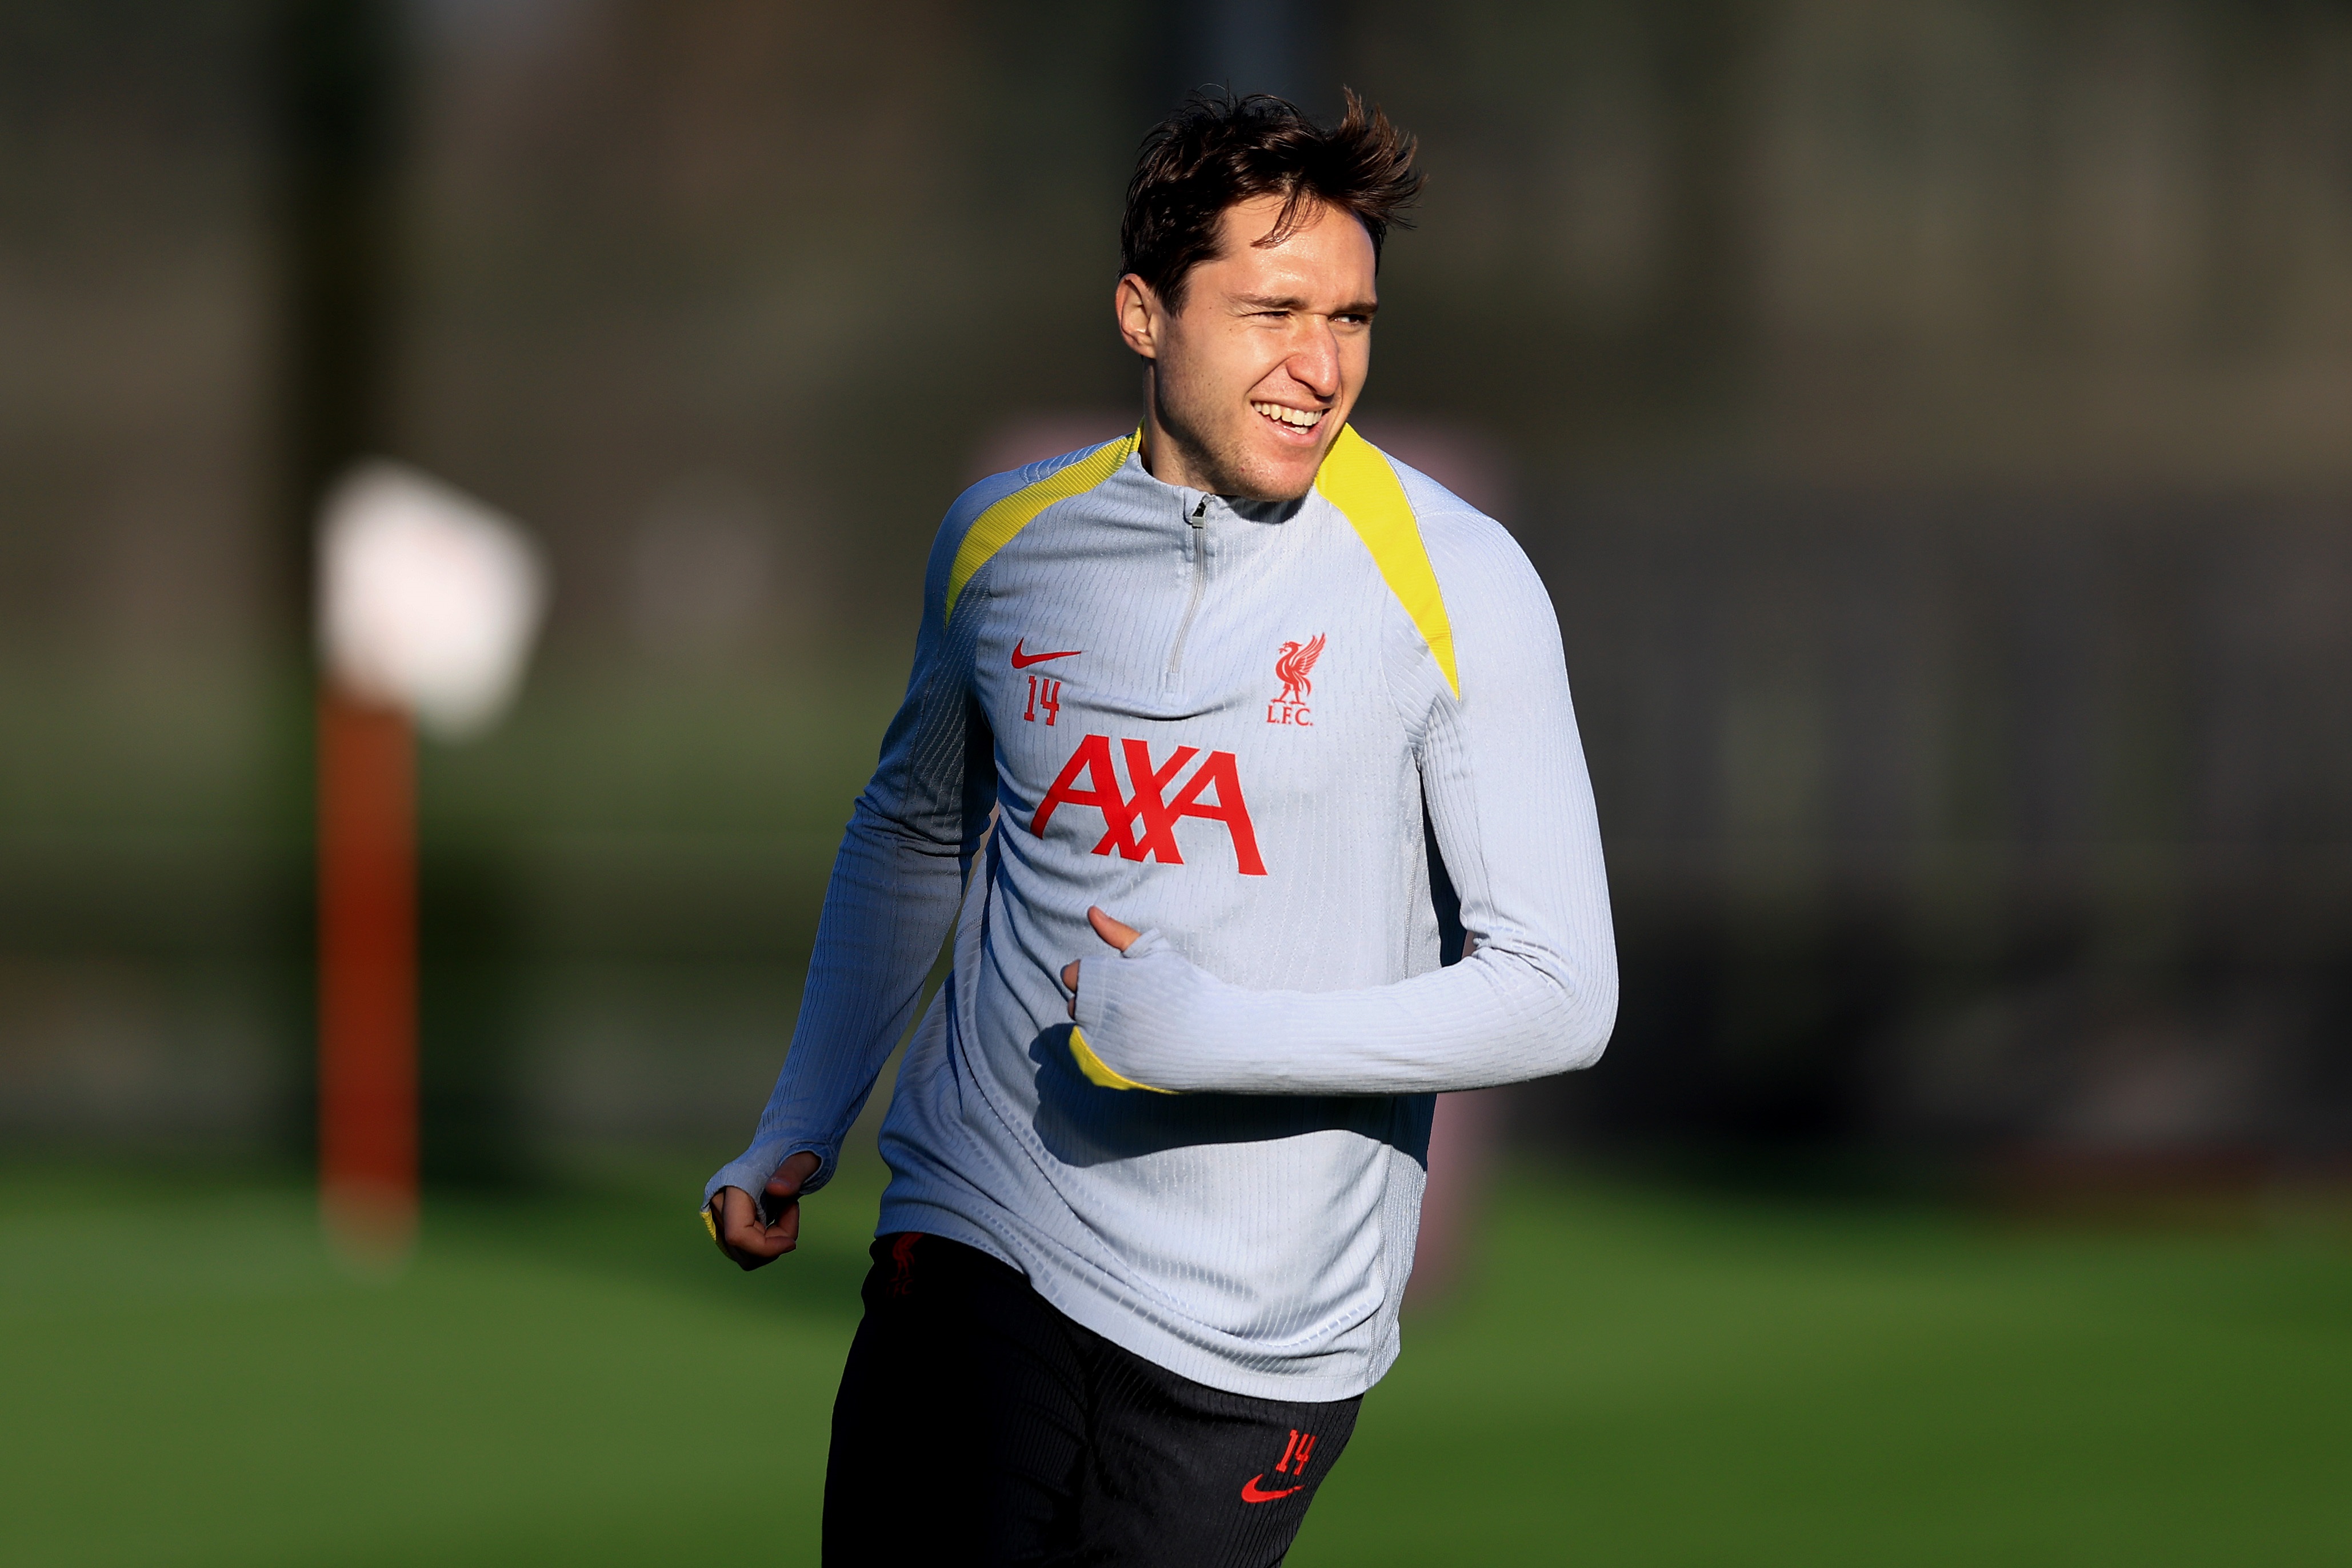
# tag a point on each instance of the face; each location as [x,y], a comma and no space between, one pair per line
[1248,383]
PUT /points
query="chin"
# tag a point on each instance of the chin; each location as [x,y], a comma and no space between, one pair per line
[1286,489]
[1285,476]
[1238,464]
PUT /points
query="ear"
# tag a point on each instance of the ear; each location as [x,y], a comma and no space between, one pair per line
[1137,309]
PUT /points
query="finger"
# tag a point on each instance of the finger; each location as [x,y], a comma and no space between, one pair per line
[1118,933]
[741,1237]
[736,1217]
[743,1226]
[748,1258]
[764,1245]
[775,1240]
[739,1226]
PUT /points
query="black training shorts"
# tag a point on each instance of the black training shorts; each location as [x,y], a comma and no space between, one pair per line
[977,1424]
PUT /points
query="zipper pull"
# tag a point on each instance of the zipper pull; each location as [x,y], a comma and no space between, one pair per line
[1199,515]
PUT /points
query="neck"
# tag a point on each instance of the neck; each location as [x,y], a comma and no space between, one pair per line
[1168,456]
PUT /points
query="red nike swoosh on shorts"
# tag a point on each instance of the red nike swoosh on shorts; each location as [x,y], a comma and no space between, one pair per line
[1022,661]
[1250,1492]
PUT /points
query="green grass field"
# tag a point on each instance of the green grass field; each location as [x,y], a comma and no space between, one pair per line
[1632,1377]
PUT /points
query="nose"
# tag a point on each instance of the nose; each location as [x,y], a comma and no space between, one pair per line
[1314,362]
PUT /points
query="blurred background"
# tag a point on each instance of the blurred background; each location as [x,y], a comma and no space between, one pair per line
[1929,419]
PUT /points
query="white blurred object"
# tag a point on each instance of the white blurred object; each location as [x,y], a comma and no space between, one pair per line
[428,600]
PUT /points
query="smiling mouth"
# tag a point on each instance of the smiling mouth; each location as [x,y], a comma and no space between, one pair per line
[1298,420]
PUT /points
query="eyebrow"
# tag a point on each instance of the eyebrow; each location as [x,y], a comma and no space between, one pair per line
[1291,302]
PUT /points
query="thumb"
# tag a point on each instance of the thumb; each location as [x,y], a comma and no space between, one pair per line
[787,1181]
[1120,934]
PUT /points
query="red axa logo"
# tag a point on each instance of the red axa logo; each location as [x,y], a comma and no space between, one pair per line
[1292,667]
[1292,1465]
[1140,821]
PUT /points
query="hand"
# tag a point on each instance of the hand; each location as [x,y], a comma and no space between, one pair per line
[742,1237]
[1118,936]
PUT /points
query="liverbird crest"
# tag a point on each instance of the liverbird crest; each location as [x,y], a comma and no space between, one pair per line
[1292,666]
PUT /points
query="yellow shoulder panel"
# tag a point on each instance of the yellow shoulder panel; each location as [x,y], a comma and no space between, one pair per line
[992,530]
[1357,480]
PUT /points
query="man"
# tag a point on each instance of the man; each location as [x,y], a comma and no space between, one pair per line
[1225,743]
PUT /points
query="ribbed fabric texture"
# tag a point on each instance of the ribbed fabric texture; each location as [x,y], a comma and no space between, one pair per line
[1302,859]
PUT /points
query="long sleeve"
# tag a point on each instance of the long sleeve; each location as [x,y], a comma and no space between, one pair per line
[893,896]
[1507,795]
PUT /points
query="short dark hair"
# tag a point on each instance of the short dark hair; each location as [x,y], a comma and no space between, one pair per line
[1218,149]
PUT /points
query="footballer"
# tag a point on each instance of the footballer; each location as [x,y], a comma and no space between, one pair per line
[1239,757]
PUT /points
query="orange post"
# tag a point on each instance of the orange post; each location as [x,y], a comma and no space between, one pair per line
[367,977]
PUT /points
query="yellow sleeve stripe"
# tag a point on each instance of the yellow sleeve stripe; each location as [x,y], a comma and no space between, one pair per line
[1098,1071]
[1359,480]
[992,530]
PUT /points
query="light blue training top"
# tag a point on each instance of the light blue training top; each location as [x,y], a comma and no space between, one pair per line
[1304,747]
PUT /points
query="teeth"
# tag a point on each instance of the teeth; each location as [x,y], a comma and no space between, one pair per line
[1303,418]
